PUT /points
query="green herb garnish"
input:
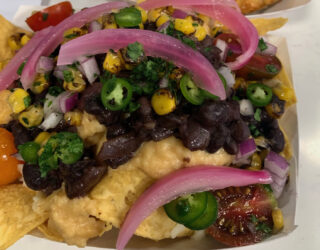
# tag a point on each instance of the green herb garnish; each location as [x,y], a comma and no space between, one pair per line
[135,51]
[20,69]
[262,44]
[271,68]
[27,101]
[68,76]
[55,90]
[45,16]
[257,115]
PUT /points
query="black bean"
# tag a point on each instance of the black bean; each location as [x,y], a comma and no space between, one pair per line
[218,138]
[212,113]
[230,146]
[53,181]
[234,110]
[171,121]
[276,139]
[160,133]
[118,147]
[116,130]
[20,133]
[239,131]
[145,110]
[32,177]
[194,136]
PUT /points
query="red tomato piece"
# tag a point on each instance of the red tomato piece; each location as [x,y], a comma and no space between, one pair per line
[50,16]
[244,216]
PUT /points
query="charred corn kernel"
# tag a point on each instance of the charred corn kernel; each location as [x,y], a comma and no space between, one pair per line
[170,10]
[256,161]
[154,14]
[204,18]
[110,22]
[74,86]
[24,40]
[163,102]
[32,117]
[144,15]
[14,42]
[73,118]
[176,74]
[19,100]
[113,62]
[240,83]
[141,26]
[285,93]
[42,138]
[277,218]
[40,84]
[201,33]
[162,19]
[184,25]
[73,33]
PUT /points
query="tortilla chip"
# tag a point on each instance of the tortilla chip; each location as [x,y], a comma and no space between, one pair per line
[17,217]
[248,6]
[264,25]
[7,29]
[6,111]
[44,229]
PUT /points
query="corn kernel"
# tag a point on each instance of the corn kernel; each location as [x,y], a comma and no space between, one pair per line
[24,40]
[74,86]
[19,100]
[184,25]
[113,62]
[204,18]
[201,33]
[277,218]
[14,42]
[177,74]
[256,161]
[40,84]
[110,22]
[154,14]
[73,118]
[73,33]
[162,19]
[163,102]
[32,117]
[285,93]
[141,26]
[42,138]
[144,15]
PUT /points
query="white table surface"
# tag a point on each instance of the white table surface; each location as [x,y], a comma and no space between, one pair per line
[303,37]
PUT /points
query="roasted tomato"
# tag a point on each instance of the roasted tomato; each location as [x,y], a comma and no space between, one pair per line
[50,16]
[259,67]
[244,215]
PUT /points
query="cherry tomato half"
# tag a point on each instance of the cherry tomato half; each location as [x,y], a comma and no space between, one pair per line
[50,16]
[244,215]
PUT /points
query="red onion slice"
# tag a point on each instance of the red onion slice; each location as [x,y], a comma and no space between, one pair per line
[221,11]
[68,100]
[45,64]
[55,37]
[155,44]
[276,164]
[270,50]
[246,149]
[58,72]
[9,73]
[179,14]
[185,181]
[90,69]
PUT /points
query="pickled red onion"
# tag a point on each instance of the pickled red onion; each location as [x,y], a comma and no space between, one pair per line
[56,36]
[155,44]
[9,73]
[184,181]
[220,11]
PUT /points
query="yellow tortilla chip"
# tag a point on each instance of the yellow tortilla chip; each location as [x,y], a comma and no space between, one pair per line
[44,229]
[16,215]
[7,29]
[6,111]
[264,25]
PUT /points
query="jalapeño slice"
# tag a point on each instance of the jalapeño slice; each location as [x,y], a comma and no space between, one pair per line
[208,217]
[116,94]
[259,94]
[190,91]
[188,208]
[128,17]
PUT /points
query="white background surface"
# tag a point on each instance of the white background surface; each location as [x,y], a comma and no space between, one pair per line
[303,37]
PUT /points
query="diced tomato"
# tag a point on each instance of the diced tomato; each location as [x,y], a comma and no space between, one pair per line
[50,16]
[244,216]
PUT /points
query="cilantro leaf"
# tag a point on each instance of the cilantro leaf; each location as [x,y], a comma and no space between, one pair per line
[135,51]
[257,115]
[262,44]
[271,68]
[45,16]
[27,101]
[55,90]
[20,69]
[68,76]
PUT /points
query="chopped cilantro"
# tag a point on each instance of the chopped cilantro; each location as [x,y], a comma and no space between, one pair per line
[195,24]
[49,104]
[27,101]
[271,68]
[36,84]
[188,41]
[257,115]
[133,106]
[45,16]
[262,44]
[135,51]
[68,76]
[254,130]
[72,35]
[47,77]
[208,49]
[55,90]
[20,69]
[65,147]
